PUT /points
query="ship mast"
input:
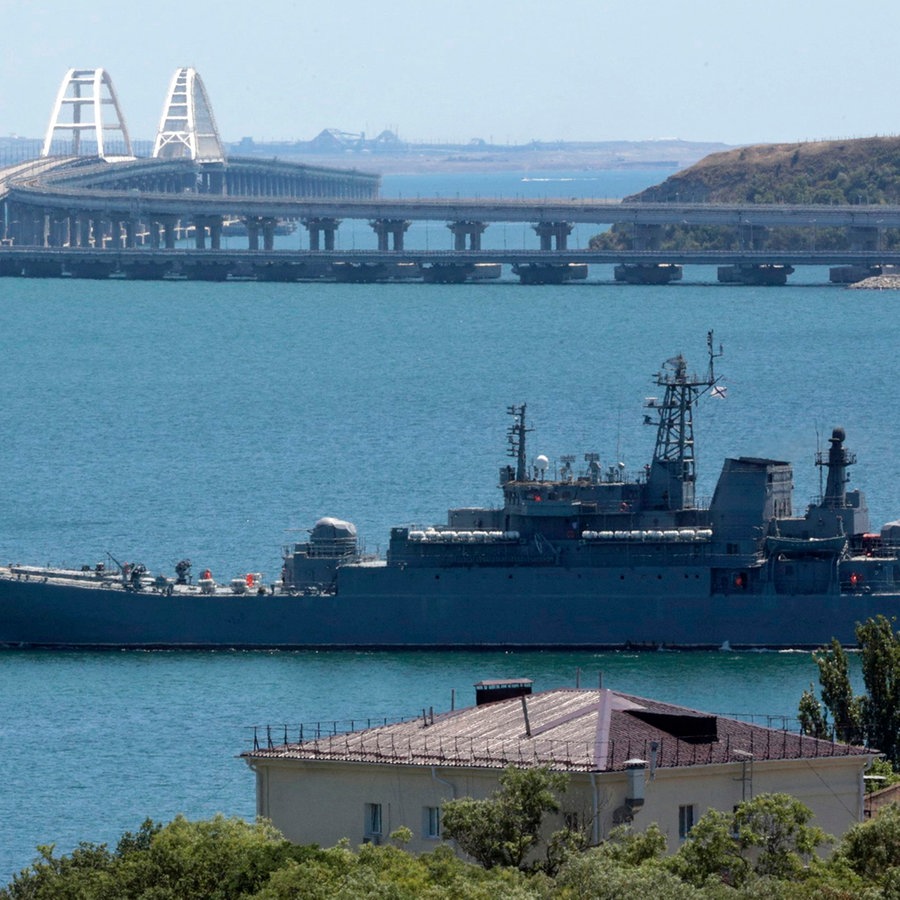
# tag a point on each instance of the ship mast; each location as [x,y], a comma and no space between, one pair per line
[836,461]
[673,472]
[516,438]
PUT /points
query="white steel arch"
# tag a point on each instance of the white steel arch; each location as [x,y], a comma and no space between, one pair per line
[187,128]
[79,108]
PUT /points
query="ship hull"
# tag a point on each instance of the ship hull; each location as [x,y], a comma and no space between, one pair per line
[404,608]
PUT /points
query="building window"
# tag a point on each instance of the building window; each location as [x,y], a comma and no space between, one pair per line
[432,823]
[373,821]
[685,820]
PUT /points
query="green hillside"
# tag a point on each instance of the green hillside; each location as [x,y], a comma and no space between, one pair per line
[865,171]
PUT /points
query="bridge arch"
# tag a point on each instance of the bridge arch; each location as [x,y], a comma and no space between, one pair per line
[83,96]
[187,127]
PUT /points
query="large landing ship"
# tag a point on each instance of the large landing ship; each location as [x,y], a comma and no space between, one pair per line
[571,559]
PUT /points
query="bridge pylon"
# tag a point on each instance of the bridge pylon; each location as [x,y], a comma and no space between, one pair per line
[79,110]
[187,128]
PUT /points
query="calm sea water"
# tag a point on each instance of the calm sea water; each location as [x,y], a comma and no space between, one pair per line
[156,421]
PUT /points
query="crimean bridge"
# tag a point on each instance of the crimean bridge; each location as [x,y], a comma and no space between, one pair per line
[87,207]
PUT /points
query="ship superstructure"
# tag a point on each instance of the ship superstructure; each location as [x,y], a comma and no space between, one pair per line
[579,555]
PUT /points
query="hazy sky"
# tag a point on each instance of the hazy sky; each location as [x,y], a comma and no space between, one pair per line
[503,70]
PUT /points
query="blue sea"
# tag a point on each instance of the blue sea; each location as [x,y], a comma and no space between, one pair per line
[153,421]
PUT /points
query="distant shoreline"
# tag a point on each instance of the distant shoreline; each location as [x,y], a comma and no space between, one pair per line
[410,160]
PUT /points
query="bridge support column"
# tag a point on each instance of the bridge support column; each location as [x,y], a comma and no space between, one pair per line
[551,233]
[84,230]
[865,238]
[385,229]
[115,232]
[253,224]
[463,230]
[752,237]
[214,225]
[98,232]
[647,237]
[26,225]
[324,226]
[169,225]
[215,232]
[268,230]
[57,230]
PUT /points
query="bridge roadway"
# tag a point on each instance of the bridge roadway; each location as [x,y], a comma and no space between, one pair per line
[135,203]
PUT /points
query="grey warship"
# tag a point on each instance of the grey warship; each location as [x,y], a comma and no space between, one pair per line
[570,559]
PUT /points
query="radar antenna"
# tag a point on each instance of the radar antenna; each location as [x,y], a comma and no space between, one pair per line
[672,478]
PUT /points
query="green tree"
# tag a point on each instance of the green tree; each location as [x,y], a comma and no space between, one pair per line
[872,848]
[711,852]
[777,827]
[766,837]
[837,692]
[873,717]
[813,718]
[880,651]
[503,829]
[217,859]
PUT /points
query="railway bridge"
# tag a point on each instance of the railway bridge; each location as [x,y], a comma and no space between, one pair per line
[88,195]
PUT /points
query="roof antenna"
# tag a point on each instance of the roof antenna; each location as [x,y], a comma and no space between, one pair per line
[525,713]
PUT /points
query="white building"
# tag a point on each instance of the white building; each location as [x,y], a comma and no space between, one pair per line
[629,759]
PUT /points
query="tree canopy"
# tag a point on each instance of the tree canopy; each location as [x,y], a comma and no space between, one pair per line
[765,850]
[503,829]
[873,717]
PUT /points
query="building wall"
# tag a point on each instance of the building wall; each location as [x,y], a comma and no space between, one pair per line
[830,787]
[322,802]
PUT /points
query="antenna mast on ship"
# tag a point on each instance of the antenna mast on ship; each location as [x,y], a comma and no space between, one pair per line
[516,438]
[673,472]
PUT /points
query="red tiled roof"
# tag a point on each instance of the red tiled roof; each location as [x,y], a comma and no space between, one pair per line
[567,729]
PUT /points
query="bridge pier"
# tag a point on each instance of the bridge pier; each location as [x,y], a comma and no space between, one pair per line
[84,230]
[322,226]
[57,230]
[170,232]
[463,230]
[752,237]
[647,273]
[647,237]
[253,223]
[214,224]
[268,232]
[865,238]
[389,228]
[549,273]
[755,274]
[553,232]
[131,233]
